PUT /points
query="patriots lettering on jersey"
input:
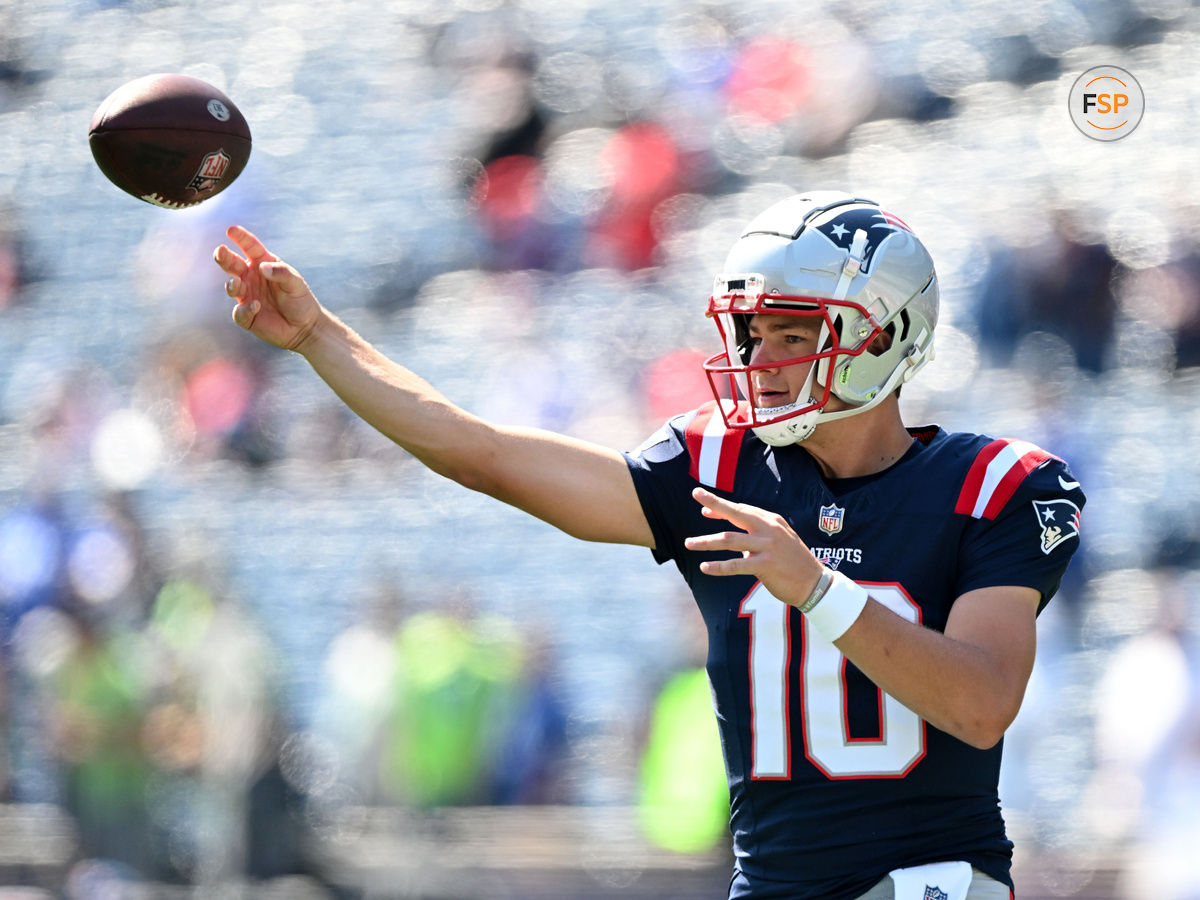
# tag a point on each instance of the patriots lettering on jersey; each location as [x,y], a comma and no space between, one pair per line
[835,556]
[994,477]
[713,447]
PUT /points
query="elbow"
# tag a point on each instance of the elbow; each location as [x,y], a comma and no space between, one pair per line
[471,478]
[984,729]
[981,738]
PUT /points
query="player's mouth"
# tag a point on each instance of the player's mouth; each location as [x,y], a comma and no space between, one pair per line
[768,397]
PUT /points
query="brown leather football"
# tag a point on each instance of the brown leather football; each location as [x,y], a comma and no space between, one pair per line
[171,140]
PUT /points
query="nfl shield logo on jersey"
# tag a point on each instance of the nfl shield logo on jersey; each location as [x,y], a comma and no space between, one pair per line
[831,519]
[933,893]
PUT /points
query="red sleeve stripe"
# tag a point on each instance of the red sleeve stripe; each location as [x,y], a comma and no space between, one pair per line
[995,475]
[713,448]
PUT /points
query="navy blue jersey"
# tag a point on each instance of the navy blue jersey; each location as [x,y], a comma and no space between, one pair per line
[832,782]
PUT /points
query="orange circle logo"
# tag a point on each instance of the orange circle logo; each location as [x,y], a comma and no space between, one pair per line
[1106,103]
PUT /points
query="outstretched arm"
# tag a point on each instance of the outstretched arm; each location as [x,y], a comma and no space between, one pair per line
[582,488]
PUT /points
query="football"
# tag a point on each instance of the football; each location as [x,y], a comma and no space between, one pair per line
[171,140]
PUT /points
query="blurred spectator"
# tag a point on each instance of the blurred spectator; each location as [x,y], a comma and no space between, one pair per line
[510,200]
[642,167]
[436,708]
[1166,300]
[682,791]
[33,546]
[100,693]
[1148,748]
[530,765]
[673,382]
[683,801]
[454,693]
[210,402]
[207,727]
[16,269]
[1063,286]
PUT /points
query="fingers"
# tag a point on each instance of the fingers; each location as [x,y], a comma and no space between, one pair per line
[230,262]
[254,249]
[736,566]
[737,541]
[715,507]
[244,313]
[255,252]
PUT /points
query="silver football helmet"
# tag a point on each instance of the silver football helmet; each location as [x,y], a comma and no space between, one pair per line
[846,262]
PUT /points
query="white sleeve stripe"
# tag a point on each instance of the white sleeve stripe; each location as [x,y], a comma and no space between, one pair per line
[710,449]
[1000,466]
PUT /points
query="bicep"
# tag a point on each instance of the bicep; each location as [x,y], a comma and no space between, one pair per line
[582,488]
[1001,622]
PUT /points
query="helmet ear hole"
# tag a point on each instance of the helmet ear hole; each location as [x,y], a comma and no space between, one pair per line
[883,340]
[905,321]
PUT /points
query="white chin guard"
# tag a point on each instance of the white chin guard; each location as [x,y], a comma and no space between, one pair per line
[789,431]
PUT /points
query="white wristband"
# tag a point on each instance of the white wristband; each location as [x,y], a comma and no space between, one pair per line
[840,607]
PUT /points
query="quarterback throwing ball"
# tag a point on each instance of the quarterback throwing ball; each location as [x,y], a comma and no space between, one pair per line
[870,588]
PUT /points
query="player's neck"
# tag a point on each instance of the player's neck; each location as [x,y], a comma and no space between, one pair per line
[860,445]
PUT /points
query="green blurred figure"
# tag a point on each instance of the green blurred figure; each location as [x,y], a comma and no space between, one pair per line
[456,686]
[683,795]
[100,695]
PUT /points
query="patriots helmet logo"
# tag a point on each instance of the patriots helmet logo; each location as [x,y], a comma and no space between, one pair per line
[877,224]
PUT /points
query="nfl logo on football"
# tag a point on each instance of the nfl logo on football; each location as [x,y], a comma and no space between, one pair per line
[831,519]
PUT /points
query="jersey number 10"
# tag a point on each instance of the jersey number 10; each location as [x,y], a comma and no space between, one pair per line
[827,742]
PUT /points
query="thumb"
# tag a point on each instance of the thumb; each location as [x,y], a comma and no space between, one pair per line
[283,276]
[274,271]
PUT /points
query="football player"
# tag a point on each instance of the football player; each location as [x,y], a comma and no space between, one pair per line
[870,590]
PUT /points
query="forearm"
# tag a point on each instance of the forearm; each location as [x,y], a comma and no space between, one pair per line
[582,488]
[395,401]
[958,687]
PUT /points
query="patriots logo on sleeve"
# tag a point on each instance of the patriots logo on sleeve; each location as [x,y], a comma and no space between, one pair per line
[877,224]
[1058,520]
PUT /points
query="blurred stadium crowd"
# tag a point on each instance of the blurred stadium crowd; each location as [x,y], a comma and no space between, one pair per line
[231,615]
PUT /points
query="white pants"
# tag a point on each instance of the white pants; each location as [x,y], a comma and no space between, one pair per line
[983,887]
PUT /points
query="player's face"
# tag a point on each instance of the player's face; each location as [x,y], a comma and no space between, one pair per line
[776,339]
